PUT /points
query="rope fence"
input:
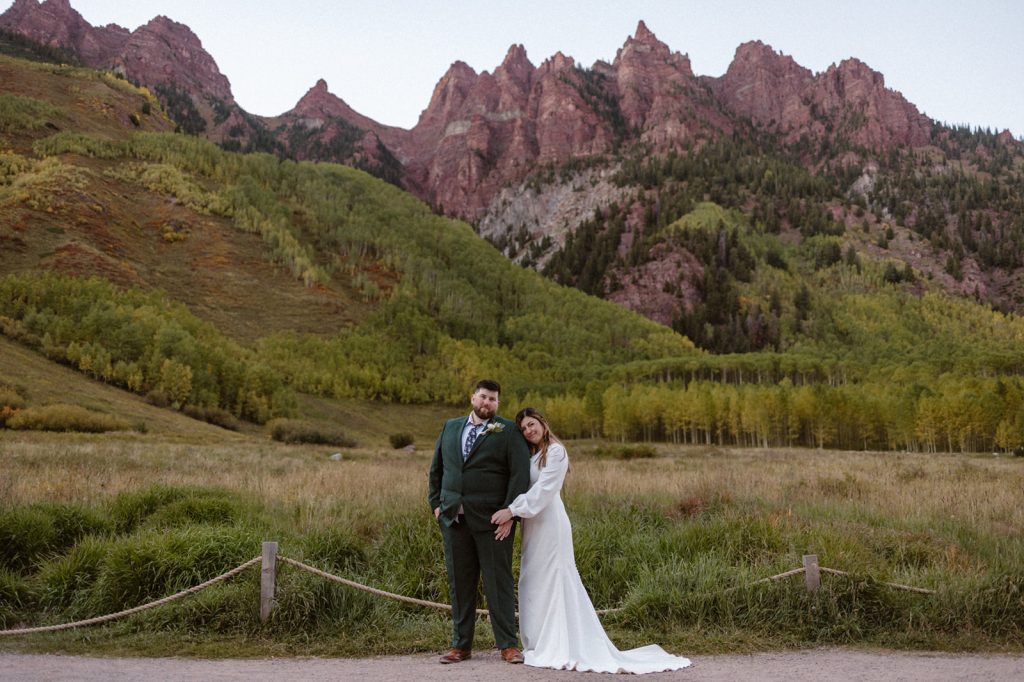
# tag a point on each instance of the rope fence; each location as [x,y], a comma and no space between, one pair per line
[127,612]
[268,581]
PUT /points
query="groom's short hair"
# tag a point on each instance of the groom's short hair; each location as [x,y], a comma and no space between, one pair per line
[488,385]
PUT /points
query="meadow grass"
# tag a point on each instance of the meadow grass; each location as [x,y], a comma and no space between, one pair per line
[94,523]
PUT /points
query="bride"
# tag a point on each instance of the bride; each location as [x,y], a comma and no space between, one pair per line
[557,621]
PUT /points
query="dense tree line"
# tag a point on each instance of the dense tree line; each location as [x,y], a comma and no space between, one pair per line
[835,329]
[950,415]
[955,208]
[179,106]
[22,47]
[141,342]
[584,261]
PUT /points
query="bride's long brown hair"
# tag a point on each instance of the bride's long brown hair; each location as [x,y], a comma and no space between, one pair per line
[547,439]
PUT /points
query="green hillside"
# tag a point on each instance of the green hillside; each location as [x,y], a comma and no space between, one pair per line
[224,282]
[293,276]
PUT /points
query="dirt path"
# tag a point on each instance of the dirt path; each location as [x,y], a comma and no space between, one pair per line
[791,666]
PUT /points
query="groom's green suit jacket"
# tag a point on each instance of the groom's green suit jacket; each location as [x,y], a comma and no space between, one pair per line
[496,472]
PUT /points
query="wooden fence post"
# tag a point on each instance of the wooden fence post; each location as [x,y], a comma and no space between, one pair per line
[812,576]
[268,579]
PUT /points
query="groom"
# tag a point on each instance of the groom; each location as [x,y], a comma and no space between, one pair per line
[481,463]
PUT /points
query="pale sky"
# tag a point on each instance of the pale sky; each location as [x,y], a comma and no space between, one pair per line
[958,62]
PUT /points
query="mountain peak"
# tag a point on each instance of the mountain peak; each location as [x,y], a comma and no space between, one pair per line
[753,49]
[516,67]
[516,55]
[643,45]
[644,34]
[855,68]
[319,101]
[163,21]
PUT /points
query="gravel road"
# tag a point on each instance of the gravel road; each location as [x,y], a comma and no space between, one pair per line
[791,666]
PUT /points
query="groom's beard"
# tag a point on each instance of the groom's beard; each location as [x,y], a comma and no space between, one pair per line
[483,413]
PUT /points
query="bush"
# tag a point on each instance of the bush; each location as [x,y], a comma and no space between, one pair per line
[626,451]
[159,562]
[208,508]
[400,440]
[63,580]
[10,403]
[158,398]
[14,594]
[335,550]
[11,398]
[161,506]
[213,415]
[61,417]
[24,113]
[27,534]
[299,431]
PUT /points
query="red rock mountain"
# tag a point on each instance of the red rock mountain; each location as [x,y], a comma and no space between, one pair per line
[57,24]
[851,99]
[159,53]
[482,132]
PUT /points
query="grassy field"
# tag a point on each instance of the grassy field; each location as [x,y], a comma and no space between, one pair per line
[132,517]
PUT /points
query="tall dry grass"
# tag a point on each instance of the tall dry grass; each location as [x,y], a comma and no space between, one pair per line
[675,539]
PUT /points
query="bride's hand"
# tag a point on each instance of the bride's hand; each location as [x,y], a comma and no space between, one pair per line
[501,516]
[503,530]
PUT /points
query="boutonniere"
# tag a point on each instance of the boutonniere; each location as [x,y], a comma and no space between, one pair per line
[494,427]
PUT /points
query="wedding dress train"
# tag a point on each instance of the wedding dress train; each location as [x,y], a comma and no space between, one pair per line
[559,626]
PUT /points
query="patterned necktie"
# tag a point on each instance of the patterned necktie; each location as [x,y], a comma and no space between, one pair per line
[474,431]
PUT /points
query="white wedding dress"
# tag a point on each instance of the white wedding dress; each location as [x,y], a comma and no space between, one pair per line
[557,621]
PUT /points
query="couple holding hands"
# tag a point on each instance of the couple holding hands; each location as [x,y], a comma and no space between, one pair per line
[486,473]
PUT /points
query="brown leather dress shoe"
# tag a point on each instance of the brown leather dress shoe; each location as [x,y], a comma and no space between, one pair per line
[456,656]
[512,655]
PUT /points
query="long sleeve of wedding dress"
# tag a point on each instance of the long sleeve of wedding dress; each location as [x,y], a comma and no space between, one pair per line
[557,621]
[545,486]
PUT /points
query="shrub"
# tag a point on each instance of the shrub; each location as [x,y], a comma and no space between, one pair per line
[404,557]
[24,113]
[162,506]
[299,431]
[64,579]
[5,414]
[223,608]
[10,398]
[334,549]
[400,440]
[213,415]
[14,593]
[158,398]
[29,533]
[626,451]
[25,534]
[10,403]
[61,417]
[208,508]
[160,562]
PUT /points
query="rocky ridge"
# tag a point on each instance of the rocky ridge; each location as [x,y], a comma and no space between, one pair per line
[163,55]
[482,132]
[528,152]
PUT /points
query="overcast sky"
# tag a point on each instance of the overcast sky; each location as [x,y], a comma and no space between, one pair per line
[959,62]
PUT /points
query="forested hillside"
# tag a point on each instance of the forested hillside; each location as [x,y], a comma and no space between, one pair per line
[224,281]
[420,305]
